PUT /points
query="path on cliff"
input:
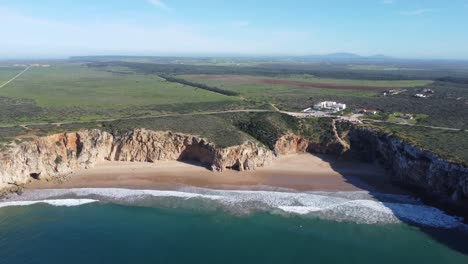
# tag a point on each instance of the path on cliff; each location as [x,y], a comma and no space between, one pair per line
[335,131]
[412,125]
[16,77]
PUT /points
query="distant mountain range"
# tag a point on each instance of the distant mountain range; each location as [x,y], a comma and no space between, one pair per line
[346,56]
[332,58]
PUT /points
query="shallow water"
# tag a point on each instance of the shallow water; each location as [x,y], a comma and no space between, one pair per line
[209,226]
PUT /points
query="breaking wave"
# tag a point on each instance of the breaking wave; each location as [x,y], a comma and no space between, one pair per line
[61,202]
[360,207]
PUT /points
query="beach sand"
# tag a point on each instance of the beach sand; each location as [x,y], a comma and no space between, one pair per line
[304,172]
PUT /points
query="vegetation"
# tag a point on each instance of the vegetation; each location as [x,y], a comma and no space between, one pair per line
[224,130]
[447,107]
[264,127]
[449,79]
[6,73]
[58,160]
[200,85]
[451,145]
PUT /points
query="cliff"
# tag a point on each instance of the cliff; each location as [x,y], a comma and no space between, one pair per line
[61,154]
[441,181]
[53,155]
[409,166]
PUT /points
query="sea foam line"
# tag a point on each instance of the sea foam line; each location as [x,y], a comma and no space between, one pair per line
[60,202]
[358,207]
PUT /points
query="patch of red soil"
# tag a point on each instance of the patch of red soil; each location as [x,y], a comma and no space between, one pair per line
[251,79]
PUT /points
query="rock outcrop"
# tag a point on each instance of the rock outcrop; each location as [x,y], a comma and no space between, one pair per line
[248,156]
[53,155]
[150,146]
[293,144]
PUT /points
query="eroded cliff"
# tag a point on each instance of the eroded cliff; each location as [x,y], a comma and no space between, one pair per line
[61,154]
[421,170]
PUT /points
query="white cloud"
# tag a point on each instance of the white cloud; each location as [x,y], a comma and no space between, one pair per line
[160,4]
[416,12]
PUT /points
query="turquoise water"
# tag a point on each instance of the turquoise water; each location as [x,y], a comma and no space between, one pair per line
[109,233]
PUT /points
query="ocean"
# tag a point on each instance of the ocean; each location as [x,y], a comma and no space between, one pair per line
[194,225]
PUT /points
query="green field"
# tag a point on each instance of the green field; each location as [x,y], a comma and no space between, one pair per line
[6,73]
[73,92]
[89,87]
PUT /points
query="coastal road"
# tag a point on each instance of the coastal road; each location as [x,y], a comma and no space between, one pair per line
[295,114]
[16,77]
[144,117]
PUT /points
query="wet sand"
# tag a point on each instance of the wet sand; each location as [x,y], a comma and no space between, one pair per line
[303,172]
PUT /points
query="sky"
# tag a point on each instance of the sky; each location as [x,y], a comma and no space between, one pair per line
[435,29]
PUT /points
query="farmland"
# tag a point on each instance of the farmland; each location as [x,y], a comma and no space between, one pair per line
[74,92]
[87,87]
[6,73]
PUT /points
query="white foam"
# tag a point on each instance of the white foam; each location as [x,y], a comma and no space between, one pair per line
[61,202]
[302,210]
[359,207]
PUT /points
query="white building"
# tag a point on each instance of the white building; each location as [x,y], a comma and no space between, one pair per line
[328,105]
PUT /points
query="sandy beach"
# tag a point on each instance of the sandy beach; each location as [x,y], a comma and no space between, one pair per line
[303,172]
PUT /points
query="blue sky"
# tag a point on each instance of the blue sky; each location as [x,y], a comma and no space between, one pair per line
[401,28]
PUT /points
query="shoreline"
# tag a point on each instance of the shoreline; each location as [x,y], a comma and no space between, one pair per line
[300,172]
[304,184]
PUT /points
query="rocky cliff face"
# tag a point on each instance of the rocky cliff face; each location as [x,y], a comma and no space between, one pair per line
[248,156]
[54,155]
[293,144]
[413,167]
[62,154]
